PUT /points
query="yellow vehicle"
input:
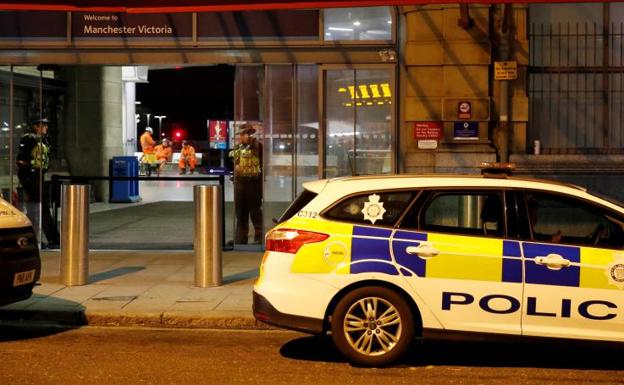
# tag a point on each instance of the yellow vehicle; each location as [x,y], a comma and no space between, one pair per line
[378,261]
[20,264]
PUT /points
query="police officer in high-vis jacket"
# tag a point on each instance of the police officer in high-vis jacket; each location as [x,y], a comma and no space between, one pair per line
[32,162]
[247,157]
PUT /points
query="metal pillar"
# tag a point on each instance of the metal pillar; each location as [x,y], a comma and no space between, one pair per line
[208,234]
[75,234]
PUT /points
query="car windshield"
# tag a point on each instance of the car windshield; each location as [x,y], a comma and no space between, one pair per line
[300,201]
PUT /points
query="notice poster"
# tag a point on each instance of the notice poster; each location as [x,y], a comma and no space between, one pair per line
[466,131]
[428,130]
[218,134]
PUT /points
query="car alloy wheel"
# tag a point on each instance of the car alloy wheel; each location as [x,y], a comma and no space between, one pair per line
[372,326]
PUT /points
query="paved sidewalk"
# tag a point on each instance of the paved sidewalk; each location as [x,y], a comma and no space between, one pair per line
[142,288]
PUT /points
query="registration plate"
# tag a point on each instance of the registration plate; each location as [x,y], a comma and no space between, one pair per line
[24,278]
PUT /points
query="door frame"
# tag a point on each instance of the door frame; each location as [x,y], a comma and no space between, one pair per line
[323,69]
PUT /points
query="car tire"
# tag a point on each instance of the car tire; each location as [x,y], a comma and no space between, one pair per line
[372,326]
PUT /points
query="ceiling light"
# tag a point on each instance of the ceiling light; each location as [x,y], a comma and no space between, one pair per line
[340,29]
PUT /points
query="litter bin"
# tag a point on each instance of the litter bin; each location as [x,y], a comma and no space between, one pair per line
[124,191]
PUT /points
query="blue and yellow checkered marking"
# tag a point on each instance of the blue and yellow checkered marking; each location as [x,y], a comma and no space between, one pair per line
[539,274]
[410,263]
[370,251]
[354,249]
[512,262]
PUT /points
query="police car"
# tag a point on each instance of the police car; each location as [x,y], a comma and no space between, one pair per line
[20,264]
[378,261]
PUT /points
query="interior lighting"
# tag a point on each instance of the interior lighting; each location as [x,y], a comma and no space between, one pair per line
[354,95]
[385,88]
[364,91]
[340,29]
[357,23]
[375,90]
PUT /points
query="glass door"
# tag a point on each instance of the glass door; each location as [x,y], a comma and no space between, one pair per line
[26,148]
[279,104]
[358,118]
[247,156]
[291,135]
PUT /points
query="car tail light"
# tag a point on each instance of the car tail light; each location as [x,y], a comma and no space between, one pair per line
[291,240]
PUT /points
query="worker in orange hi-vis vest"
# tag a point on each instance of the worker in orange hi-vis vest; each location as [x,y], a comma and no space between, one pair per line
[147,146]
[163,154]
[187,158]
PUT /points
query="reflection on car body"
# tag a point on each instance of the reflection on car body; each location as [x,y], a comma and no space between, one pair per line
[377,261]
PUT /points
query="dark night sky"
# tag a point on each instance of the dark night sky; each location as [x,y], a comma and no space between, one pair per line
[187,96]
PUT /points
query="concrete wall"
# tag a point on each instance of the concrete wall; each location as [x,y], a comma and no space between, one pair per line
[442,64]
[93,132]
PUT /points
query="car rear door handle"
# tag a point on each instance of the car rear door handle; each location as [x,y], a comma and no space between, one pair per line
[553,261]
[424,250]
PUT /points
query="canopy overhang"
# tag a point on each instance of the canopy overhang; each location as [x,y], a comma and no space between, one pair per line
[166,6]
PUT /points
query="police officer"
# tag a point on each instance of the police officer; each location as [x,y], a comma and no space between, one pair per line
[32,163]
[247,157]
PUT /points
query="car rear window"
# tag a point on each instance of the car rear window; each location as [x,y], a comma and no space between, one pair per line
[300,201]
[380,209]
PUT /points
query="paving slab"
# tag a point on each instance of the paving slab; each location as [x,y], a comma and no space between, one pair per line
[142,288]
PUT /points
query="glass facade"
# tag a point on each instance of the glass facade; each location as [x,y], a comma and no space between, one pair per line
[361,24]
[26,94]
[359,122]
[90,122]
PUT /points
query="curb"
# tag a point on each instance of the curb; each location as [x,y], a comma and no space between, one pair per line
[77,318]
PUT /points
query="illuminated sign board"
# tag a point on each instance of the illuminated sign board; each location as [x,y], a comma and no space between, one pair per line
[367,94]
[107,25]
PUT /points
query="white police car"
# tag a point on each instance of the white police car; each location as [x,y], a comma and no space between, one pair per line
[20,264]
[377,261]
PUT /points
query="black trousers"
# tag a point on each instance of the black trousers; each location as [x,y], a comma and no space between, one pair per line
[248,204]
[30,180]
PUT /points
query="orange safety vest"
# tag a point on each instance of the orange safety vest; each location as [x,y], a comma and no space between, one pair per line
[147,143]
[163,152]
[188,152]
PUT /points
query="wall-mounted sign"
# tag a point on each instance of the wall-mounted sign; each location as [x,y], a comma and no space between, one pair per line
[108,25]
[464,110]
[218,134]
[466,131]
[428,144]
[505,70]
[427,130]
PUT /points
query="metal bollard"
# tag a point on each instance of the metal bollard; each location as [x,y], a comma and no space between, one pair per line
[75,234]
[207,239]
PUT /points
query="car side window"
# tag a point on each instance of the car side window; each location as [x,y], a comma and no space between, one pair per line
[374,208]
[558,219]
[467,213]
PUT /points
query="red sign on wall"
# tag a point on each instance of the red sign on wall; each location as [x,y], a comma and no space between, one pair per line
[218,134]
[427,130]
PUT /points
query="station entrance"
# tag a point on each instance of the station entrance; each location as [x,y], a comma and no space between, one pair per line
[312,121]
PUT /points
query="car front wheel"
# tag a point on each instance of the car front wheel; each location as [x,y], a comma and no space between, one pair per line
[372,326]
